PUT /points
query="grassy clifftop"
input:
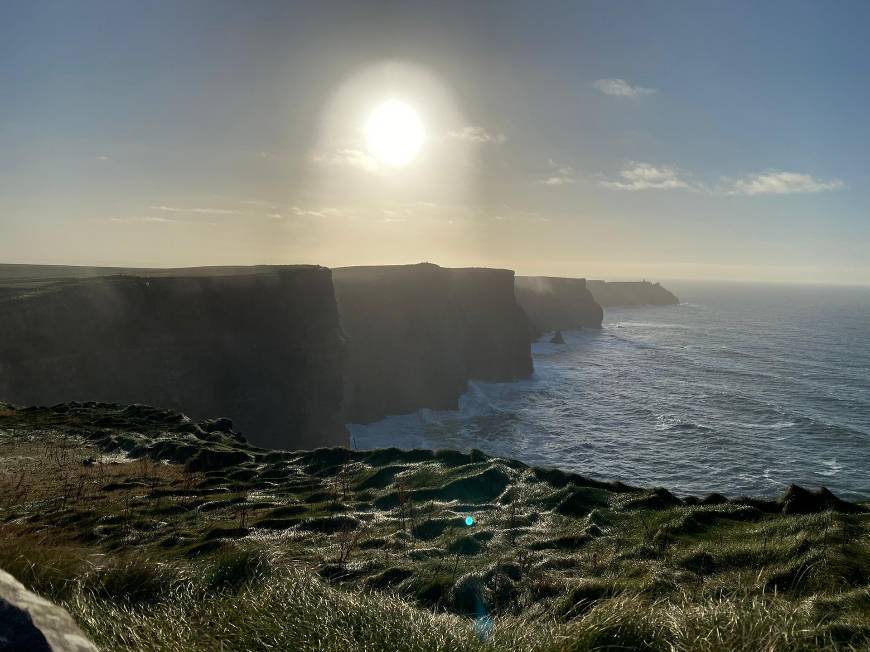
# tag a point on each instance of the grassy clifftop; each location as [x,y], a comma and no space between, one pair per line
[158,533]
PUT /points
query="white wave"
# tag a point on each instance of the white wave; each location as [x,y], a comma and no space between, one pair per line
[833,468]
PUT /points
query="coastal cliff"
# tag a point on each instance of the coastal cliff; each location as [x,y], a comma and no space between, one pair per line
[418,333]
[261,345]
[554,304]
[630,293]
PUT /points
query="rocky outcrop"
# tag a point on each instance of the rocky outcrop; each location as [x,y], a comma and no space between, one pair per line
[31,623]
[418,333]
[630,293]
[261,345]
[553,304]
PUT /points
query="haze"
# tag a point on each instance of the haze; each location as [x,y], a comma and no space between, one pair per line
[615,140]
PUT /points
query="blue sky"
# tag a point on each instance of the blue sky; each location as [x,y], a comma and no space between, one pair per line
[674,139]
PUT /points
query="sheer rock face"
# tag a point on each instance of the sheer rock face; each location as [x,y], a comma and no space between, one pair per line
[28,622]
[418,333]
[631,293]
[261,345]
[554,304]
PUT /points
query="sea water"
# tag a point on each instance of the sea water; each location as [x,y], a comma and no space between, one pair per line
[741,389]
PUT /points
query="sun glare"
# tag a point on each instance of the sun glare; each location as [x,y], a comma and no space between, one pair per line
[394,133]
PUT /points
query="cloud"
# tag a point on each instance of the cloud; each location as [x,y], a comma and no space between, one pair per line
[148,220]
[349,157]
[643,176]
[560,175]
[321,212]
[773,182]
[473,134]
[621,88]
[203,211]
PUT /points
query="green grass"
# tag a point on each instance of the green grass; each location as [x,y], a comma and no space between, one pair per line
[294,610]
[338,550]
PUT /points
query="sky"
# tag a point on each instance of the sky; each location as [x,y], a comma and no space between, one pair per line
[707,140]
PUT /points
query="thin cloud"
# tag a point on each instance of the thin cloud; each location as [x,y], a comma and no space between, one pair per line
[621,88]
[202,211]
[644,176]
[148,220]
[560,175]
[476,134]
[773,182]
[300,211]
[349,157]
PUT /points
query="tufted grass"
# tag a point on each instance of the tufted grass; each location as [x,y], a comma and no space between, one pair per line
[347,550]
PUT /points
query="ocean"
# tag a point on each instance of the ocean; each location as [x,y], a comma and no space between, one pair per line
[741,389]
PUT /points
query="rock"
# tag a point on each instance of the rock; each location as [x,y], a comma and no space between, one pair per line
[579,501]
[713,499]
[557,338]
[658,498]
[29,623]
[797,500]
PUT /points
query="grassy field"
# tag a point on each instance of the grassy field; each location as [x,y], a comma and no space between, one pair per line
[157,533]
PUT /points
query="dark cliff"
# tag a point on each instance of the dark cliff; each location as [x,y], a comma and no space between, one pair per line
[261,345]
[630,293]
[418,333]
[557,304]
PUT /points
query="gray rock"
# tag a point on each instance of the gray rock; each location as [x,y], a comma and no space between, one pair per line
[33,624]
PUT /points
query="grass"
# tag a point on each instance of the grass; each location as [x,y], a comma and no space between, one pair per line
[296,610]
[338,550]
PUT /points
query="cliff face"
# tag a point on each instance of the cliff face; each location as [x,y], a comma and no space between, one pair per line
[632,293]
[553,303]
[418,333]
[260,345]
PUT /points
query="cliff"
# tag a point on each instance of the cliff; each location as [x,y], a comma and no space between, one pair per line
[261,345]
[418,333]
[556,304]
[631,293]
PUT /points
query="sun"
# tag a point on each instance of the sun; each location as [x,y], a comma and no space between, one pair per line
[394,133]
